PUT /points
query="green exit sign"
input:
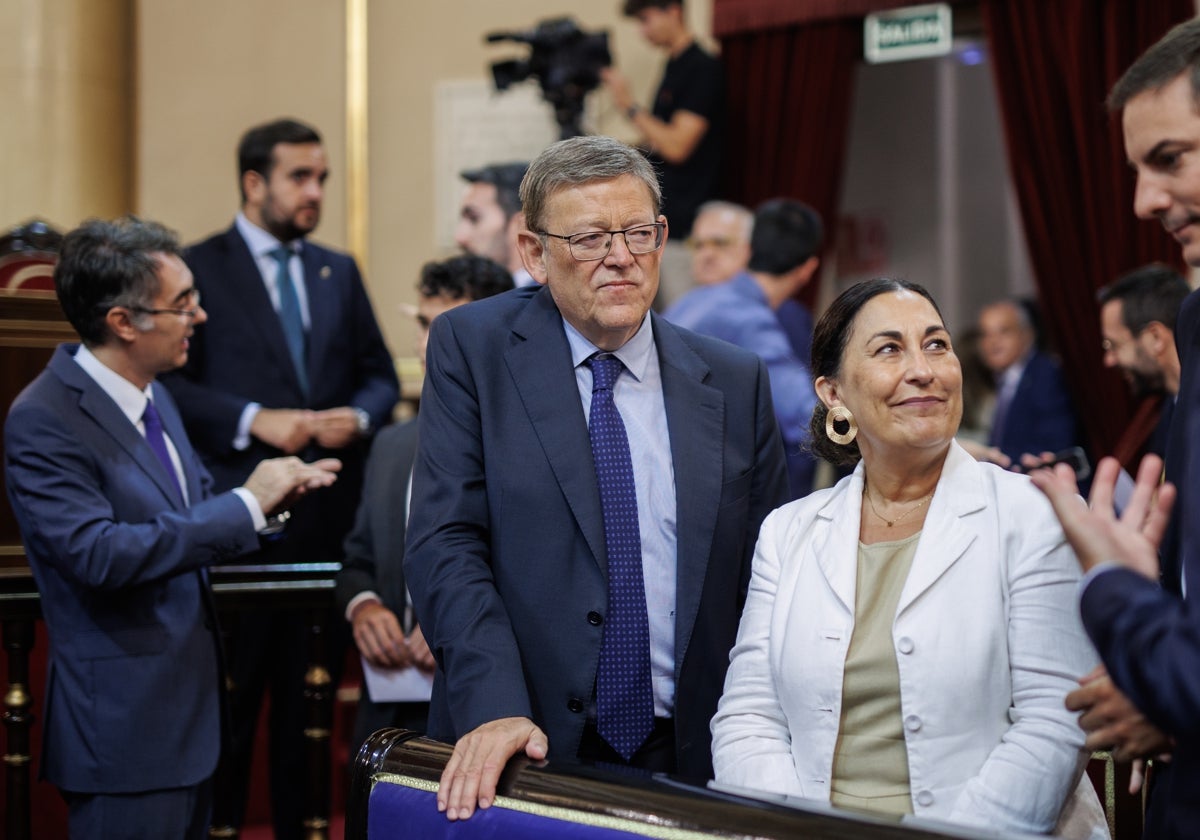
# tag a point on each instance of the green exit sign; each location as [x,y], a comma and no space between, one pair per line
[912,32]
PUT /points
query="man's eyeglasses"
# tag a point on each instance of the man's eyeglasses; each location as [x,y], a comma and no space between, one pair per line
[193,298]
[595,245]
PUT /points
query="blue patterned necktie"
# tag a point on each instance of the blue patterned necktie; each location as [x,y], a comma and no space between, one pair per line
[289,315]
[158,442]
[624,698]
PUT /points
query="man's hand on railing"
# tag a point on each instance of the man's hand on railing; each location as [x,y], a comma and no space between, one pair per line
[479,758]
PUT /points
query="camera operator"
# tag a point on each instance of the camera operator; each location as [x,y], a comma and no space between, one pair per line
[683,129]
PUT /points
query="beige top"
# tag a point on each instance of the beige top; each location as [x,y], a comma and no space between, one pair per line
[870,764]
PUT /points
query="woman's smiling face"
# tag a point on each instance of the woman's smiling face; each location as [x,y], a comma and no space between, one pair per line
[898,376]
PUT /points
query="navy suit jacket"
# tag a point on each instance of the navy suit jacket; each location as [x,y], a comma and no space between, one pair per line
[1147,635]
[506,551]
[132,700]
[240,356]
[1040,417]
[374,558]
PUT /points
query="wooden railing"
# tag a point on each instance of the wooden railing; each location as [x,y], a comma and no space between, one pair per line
[396,773]
[306,586]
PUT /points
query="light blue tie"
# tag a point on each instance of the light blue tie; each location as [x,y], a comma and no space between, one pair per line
[624,696]
[290,317]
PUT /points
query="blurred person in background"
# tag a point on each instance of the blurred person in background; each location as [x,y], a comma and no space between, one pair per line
[683,130]
[370,588]
[490,217]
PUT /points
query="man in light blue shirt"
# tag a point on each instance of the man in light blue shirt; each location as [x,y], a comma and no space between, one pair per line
[784,249]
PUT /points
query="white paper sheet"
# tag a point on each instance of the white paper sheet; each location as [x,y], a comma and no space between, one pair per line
[397,685]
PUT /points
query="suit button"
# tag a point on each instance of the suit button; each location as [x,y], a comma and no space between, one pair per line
[595,619]
[912,723]
[925,798]
[575,705]
[905,645]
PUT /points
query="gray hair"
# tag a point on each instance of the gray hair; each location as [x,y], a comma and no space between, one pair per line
[1024,318]
[581,160]
[743,214]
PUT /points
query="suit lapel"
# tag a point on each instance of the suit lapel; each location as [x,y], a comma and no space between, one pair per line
[392,494]
[839,540]
[540,366]
[98,405]
[321,313]
[696,425]
[945,537]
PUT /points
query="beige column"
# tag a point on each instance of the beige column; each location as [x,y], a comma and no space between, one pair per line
[66,84]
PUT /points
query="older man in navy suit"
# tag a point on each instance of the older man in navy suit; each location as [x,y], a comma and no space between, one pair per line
[588,489]
[1147,630]
[292,361]
[1033,407]
[119,527]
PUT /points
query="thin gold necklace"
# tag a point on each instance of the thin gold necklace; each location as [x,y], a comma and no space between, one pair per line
[901,517]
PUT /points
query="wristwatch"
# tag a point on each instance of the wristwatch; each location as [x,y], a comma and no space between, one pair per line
[275,524]
[364,421]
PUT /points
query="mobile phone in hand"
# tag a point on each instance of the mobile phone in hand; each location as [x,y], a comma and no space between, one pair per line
[1074,457]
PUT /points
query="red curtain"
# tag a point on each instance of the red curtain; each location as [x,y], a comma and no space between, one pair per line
[788,104]
[1054,62]
[730,16]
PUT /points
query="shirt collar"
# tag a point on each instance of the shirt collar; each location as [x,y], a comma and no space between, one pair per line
[1011,375]
[129,398]
[634,353]
[260,242]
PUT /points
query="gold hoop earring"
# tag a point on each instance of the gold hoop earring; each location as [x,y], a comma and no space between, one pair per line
[840,414]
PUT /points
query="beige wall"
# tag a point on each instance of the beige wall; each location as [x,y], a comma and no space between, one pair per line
[66,84]
[209,70]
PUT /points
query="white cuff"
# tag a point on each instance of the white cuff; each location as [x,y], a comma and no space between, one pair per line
[252,505]
[360,598]
[242,441]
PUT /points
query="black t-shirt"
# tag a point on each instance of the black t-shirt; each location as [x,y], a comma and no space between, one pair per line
[693,81]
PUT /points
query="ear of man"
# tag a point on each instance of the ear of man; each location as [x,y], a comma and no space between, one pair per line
[533,255]
[253,186]
[1158,337]
[121,325]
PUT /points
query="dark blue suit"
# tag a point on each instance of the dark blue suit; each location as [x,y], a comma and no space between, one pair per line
[374,560]
[240,356]
[1040,417]
[132,693]
[1147,635]
[506,551]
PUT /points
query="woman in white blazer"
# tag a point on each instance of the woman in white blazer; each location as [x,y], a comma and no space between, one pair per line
[909,634]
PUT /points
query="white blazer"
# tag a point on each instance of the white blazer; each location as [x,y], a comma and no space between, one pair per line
[988,643]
